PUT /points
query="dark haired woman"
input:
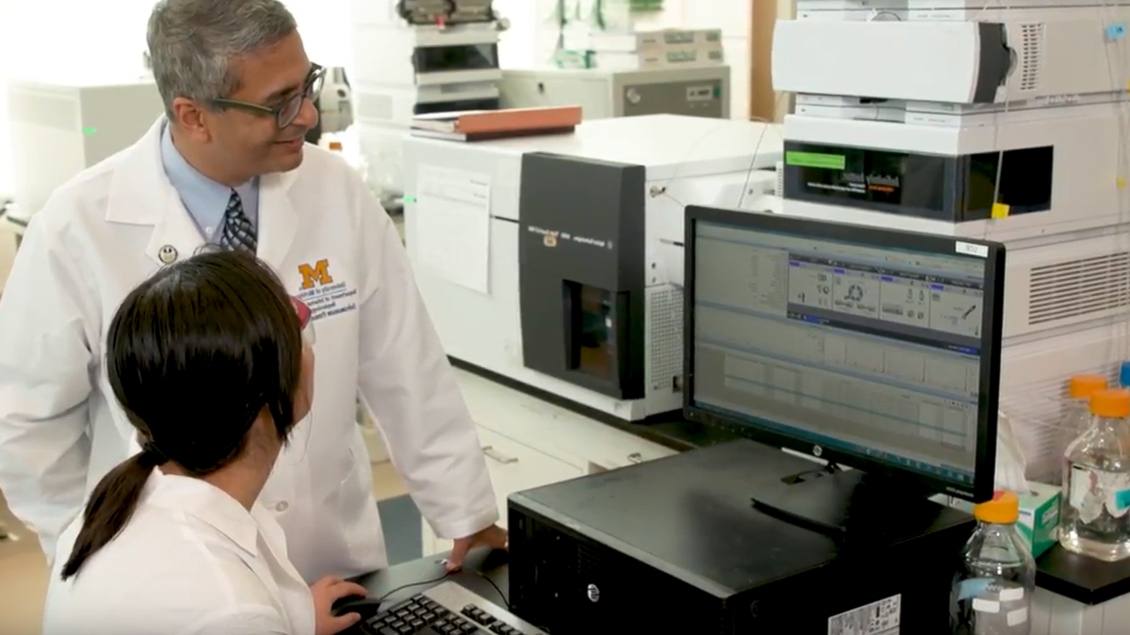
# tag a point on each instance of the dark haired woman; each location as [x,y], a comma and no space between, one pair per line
[208,361]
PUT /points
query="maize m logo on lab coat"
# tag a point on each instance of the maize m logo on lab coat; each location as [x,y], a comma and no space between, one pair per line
[325,296]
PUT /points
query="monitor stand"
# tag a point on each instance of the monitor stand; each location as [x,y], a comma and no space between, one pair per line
[844,503]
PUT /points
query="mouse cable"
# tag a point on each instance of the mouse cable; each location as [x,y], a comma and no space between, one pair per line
[414,584]
[501,595]
[497,590]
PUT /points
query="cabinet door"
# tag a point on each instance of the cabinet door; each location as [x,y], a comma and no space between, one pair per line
[1054,614]
[429,541]
[513,467]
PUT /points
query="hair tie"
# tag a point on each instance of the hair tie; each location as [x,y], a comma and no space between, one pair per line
[158,456]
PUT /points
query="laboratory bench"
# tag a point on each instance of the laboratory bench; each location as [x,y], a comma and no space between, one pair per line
[486,573]
[532,439]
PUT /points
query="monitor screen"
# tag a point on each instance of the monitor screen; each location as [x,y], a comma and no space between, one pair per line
[875,348]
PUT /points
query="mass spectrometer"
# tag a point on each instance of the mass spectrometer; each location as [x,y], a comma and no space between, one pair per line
[975,120]
[556,262]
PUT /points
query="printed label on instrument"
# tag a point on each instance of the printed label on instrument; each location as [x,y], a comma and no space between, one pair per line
[877,618]
[969,249]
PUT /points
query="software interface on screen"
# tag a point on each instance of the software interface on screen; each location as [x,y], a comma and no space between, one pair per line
[870,350]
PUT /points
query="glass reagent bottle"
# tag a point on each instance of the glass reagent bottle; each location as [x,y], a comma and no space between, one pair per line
[992,593]
[1096,482]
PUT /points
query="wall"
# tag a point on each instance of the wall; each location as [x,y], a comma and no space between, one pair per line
[5,65]
[768,104]
[38,34]
[786,10]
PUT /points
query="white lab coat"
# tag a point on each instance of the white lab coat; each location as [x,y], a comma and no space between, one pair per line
[325,234]
[191,561]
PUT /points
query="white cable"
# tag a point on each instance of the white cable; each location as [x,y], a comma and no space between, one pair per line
[722,126]
[1115,70]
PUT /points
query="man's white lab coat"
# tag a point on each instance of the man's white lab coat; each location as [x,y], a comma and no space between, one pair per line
[328,239]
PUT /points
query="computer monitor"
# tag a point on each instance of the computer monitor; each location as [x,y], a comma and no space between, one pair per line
[867,347]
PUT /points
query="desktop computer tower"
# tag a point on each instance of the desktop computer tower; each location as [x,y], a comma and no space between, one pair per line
[675,546]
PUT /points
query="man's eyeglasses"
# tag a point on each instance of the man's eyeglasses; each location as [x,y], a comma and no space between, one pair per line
[286,112]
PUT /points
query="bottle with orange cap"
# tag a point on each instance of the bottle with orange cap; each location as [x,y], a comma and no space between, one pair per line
[1095,506]
[992,593]
[1079,390]
[1076,420]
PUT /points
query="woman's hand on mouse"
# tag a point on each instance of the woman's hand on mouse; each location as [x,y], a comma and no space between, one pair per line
[327,591]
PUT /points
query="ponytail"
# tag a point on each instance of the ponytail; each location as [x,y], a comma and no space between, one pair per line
[111,505]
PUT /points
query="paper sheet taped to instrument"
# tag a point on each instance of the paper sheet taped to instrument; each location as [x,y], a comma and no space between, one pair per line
[453,225]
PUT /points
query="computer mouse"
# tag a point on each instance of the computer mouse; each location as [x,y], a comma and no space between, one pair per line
[367,607]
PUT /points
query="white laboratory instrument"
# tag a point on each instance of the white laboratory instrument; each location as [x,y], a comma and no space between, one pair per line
[335,102]
[1007,121]
[557,262]
[953,61]
[416,57]
[60,129]
[700,91]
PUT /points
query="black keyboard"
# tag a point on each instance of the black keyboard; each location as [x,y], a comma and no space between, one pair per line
[447,609]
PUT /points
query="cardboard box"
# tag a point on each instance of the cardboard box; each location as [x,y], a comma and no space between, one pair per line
[1039,517]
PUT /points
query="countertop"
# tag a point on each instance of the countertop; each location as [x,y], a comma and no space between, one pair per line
[484,572]
[1073,576]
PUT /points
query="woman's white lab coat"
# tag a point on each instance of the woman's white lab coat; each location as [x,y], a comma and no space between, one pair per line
[331,243]
[191,561]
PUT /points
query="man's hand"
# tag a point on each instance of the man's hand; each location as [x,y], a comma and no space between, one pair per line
[494,537]
[327,591]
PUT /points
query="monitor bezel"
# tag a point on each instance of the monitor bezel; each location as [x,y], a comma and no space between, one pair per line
[865,235]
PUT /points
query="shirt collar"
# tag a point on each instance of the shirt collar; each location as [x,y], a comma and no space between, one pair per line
[205,199]
[205,502]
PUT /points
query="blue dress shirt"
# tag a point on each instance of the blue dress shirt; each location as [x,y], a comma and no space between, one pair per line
[205,199]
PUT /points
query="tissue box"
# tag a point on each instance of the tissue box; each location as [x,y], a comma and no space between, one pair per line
[1039,517]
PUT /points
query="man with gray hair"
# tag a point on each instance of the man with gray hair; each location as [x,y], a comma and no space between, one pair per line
[227,165]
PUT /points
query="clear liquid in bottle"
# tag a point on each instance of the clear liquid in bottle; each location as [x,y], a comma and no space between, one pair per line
[1095,508]
[992,593]
[1076,419]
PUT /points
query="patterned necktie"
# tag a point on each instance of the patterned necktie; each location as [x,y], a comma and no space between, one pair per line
[238,232]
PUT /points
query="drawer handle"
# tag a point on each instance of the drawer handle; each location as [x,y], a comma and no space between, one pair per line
[495,455]
[635,457]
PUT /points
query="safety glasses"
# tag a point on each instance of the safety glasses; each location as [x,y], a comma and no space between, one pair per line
[305,321]
[287,111]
